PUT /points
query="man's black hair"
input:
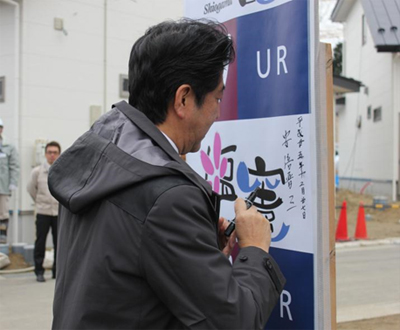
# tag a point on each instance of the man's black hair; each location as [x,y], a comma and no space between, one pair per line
[171,54]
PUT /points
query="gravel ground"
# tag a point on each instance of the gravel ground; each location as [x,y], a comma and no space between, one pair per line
[381,224]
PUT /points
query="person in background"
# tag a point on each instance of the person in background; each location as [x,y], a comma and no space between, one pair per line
[9,173]
[46,208]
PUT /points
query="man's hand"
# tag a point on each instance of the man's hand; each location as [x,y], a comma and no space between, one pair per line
[227,243]
[12,187]
[252,228]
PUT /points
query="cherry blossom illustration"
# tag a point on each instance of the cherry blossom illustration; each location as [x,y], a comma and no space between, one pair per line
[216,169]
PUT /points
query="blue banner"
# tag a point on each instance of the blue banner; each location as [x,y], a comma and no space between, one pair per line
[295,309]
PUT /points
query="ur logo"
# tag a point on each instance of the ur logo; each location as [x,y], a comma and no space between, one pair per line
[247,2]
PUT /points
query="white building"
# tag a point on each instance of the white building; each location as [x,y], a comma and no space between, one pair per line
[369,137]
[61,63]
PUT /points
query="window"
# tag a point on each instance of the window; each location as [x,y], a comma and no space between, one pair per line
[123,86]
[364,30]
[369,112]
[2,89]
[378,114]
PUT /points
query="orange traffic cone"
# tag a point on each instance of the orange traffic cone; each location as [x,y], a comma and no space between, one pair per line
[341,230]
[361,228]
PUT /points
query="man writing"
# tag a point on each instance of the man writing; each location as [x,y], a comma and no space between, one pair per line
[139,235]
[46,208]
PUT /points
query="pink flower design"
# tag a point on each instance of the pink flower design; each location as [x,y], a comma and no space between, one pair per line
[218,168]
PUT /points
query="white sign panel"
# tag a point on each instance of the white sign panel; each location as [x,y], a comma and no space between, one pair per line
[265,136]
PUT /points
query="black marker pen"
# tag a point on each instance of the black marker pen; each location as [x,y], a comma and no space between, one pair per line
[249,202]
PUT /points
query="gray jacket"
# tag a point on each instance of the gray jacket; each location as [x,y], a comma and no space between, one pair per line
[9,167]
[138,245]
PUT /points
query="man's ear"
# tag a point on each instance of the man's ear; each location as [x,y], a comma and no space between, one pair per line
[184,97]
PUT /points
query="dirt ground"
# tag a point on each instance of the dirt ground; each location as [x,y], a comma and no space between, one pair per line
[17,262]
[381,323]
[381,223]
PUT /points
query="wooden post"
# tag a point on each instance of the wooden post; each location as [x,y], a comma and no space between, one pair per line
[331,181]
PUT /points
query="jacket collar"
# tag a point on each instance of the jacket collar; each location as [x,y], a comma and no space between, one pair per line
[46,166]
[144,124]
[5,141]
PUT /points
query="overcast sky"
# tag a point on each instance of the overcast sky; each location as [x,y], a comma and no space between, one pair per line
[328,31]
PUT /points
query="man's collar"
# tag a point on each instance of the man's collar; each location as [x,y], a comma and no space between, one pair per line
[170,141]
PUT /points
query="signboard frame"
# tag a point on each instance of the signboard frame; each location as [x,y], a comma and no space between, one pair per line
[321,147]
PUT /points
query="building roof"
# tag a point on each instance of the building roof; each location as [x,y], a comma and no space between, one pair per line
[343,85]
[383,19]
[341,10]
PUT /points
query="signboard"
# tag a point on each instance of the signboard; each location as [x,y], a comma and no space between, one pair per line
[266,137]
